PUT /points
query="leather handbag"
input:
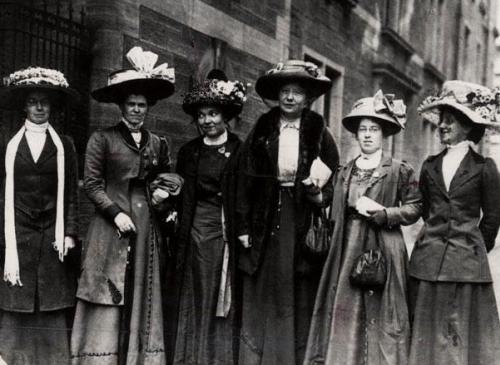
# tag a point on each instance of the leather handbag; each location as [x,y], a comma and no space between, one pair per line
[370,269]
[320,232]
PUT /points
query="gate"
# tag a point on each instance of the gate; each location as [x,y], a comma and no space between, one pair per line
[36,36]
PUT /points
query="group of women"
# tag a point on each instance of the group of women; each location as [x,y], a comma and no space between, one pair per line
[238,280]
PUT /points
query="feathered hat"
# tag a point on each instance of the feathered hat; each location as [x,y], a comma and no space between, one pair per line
[216,90]
[19,84]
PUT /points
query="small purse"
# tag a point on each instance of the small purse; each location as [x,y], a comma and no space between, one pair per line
[369,270]
[317,241]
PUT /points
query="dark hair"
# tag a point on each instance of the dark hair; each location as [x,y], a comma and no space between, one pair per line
[225,113]
[476,131]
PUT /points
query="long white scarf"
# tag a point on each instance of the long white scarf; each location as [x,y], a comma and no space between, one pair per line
[11,266]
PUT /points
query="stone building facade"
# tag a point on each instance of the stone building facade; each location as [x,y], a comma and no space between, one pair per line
[406,47]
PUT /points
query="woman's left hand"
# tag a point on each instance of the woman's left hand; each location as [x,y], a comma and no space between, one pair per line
[379,217]
[69,243]
[158,196]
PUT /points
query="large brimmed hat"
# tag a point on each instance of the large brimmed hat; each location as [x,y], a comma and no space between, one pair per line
[154,83]
[305,73]
[477,103]
[219,91]
[19,84]
[383,108]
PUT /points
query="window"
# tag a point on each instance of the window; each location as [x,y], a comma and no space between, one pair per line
[330,104]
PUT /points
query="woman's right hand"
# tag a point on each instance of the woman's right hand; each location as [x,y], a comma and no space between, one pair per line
[245,240]
[124,223]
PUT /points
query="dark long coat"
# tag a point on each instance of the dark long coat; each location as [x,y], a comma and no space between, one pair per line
[35,213]
[112,163]
[455,238]
[258,186]
[393,185]
[187,167]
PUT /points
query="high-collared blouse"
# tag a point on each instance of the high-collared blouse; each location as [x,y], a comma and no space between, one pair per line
[452,159]
[288,153]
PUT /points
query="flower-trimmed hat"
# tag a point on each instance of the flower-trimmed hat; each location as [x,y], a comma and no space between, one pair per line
[19,84]
[381,107]
[477,103]
[216,90]
[305,73]
[154,83]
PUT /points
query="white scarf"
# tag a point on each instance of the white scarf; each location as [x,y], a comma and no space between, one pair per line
[11,266]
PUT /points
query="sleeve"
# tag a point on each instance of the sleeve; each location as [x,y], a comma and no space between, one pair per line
[245,173]
[409,196]
[329,154]
[165,160]
[490,203]
[94,183]
[71,190]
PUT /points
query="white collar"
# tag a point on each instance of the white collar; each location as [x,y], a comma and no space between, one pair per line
[217,140]
[464,145]
[133,128]
[369,161]
[377,155]
[291,123]
[36,128]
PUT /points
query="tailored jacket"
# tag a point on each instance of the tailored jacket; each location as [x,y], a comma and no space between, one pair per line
[258,186]
[35,193]
[393,184]
[454,240]
[112,163]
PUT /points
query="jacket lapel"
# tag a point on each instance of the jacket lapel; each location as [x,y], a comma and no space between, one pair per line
[23,151]
[380,172]
[466,170]
[48,151]
[435,172]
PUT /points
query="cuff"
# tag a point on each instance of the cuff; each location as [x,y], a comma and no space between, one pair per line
[112,211]
[392,214]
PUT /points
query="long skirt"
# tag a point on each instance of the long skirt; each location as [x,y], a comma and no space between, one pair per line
[97,328]
[34,338]
[203,338]
[277,303]
[370,327]
[454,324]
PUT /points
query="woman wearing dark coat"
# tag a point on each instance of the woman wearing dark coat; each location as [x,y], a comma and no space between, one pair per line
[455,317]
[205,255]
[285,167]
[354,325]
[119,316]
[39,223]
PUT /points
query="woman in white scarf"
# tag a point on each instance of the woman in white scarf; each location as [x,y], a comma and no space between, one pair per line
[39,177]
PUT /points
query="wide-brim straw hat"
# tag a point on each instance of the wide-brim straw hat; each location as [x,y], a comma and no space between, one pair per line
[477,103]
[227,95]
[307,74]
[17,86]
[382,108]
[154,83]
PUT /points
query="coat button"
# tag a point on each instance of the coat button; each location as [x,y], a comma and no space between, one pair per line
[370,293]
[373,321]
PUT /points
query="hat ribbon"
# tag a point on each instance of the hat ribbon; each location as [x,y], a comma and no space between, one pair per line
[144,61]
[385,103]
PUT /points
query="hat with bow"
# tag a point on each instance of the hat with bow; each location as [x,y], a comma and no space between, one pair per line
[384,108]
[307,74]
[144,78]
[19,84]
